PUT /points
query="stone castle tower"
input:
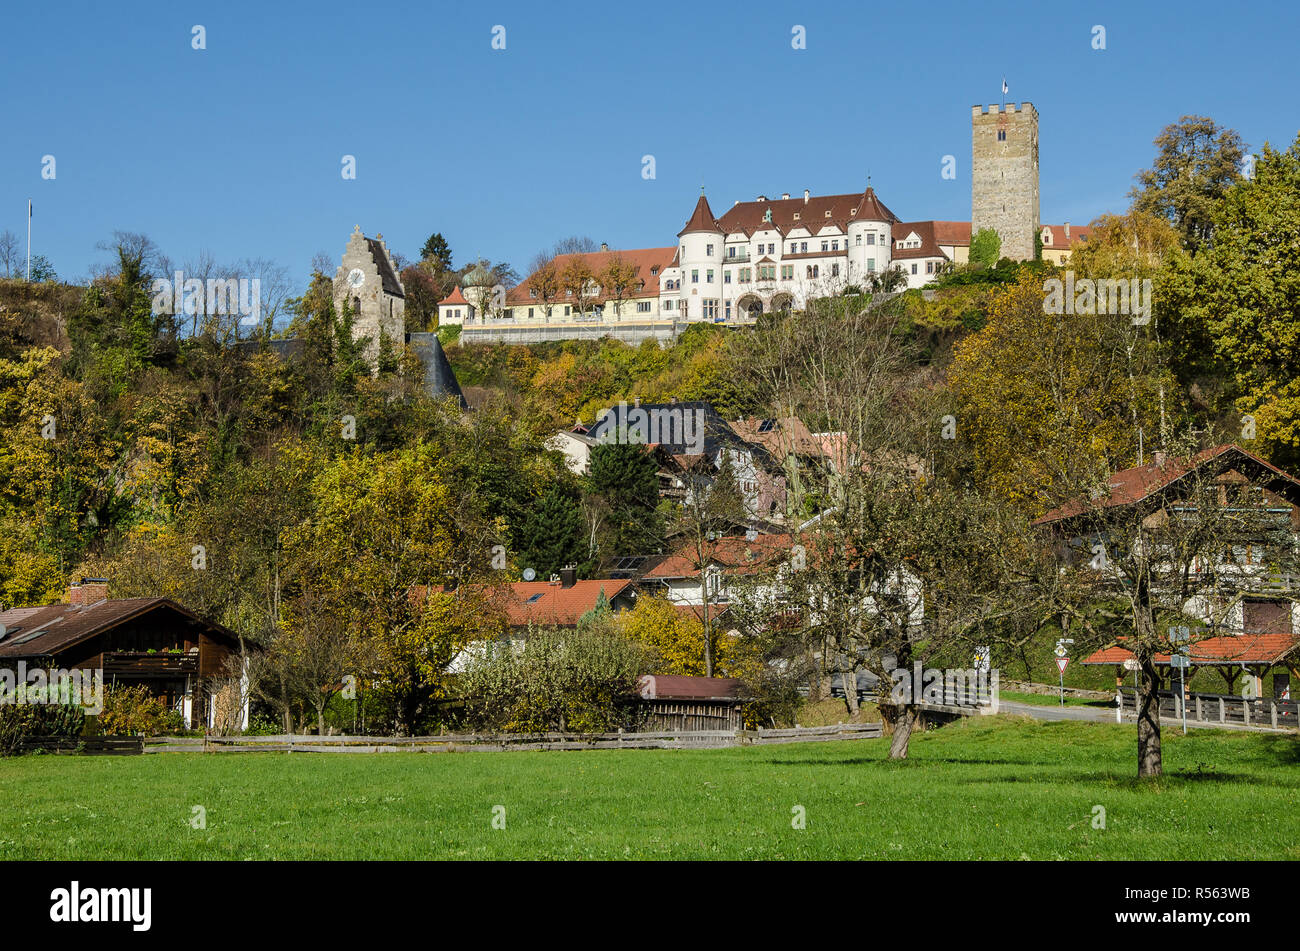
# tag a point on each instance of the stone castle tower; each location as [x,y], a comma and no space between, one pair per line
[368,281]
[1004,176]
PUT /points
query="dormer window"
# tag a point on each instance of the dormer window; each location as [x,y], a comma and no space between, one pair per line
[796,216]
[828,213]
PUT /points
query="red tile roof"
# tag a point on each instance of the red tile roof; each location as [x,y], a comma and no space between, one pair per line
[747,217]
[650,264]
[1129,486]
[701,220]
[1237,648]
[455,297]
[932,234]
[735,553]
[543,603]
[1078,235]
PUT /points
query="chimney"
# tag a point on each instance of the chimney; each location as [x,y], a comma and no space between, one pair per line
[88,591]
[785,196]
[761,198]
[806,196]
[1159,458]
[735,203]
[604,246]
[568,576]
[1067,231]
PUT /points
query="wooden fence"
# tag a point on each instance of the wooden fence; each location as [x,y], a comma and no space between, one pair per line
[496,742]
[1259,712]
[90,745]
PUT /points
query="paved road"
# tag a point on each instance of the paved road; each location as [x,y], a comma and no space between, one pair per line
[1102,715]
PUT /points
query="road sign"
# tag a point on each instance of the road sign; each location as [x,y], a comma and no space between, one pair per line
[1180,660]
[1062,663]
[981,658]
[1060,650]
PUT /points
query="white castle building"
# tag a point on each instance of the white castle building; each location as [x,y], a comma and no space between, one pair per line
[772,254]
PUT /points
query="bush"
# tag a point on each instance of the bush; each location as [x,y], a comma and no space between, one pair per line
[556,680]
[134,711]
[19,721]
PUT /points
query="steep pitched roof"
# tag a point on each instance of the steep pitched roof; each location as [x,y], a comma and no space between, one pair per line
[439,378]
[455,297]
[387,276]
[701,220]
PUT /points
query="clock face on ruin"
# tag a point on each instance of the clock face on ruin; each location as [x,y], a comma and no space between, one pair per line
[355,277]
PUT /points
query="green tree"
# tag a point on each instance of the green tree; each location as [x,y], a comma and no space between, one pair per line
[438,250]
[1197,161]
[985,247]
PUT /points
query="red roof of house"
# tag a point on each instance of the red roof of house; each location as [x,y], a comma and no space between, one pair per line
[650,264]
[1078,235]
[1234,648]
[732,552]
[701,220]
[541,602]
[455,297]
[932,234]
[747,217]
[1129,486]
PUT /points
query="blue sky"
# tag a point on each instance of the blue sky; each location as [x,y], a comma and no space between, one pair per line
[236,150]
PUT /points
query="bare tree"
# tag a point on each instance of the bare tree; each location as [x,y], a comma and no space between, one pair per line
[1204,530]
[9,256]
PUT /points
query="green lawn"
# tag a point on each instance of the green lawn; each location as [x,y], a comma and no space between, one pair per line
[984,788]
[1054,700]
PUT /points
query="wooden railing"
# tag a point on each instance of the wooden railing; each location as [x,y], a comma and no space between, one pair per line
[1258,712]
[157,664]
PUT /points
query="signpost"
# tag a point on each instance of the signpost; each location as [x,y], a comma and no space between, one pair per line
[1063,661]
[1181,660]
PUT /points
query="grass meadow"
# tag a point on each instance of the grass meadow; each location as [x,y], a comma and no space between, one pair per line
[989,788]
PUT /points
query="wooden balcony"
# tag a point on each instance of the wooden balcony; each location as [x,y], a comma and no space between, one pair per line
[145,664]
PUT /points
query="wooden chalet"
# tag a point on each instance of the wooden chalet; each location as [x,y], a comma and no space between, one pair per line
[178,655]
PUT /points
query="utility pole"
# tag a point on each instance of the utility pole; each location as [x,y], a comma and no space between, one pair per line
[29,240]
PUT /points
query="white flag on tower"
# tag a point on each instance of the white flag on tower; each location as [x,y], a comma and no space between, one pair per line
[1004,85]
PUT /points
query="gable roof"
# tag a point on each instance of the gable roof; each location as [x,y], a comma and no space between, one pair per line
[1141,483]
[542,602]
[1233,648]
[932,235]
[748,216]
[387,276]
[53,628]
[734,553]
[1078,235]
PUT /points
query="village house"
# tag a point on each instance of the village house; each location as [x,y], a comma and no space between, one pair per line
[1245,596]
[178,655]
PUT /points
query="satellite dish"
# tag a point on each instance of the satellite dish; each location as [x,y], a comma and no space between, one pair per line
[529,574]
